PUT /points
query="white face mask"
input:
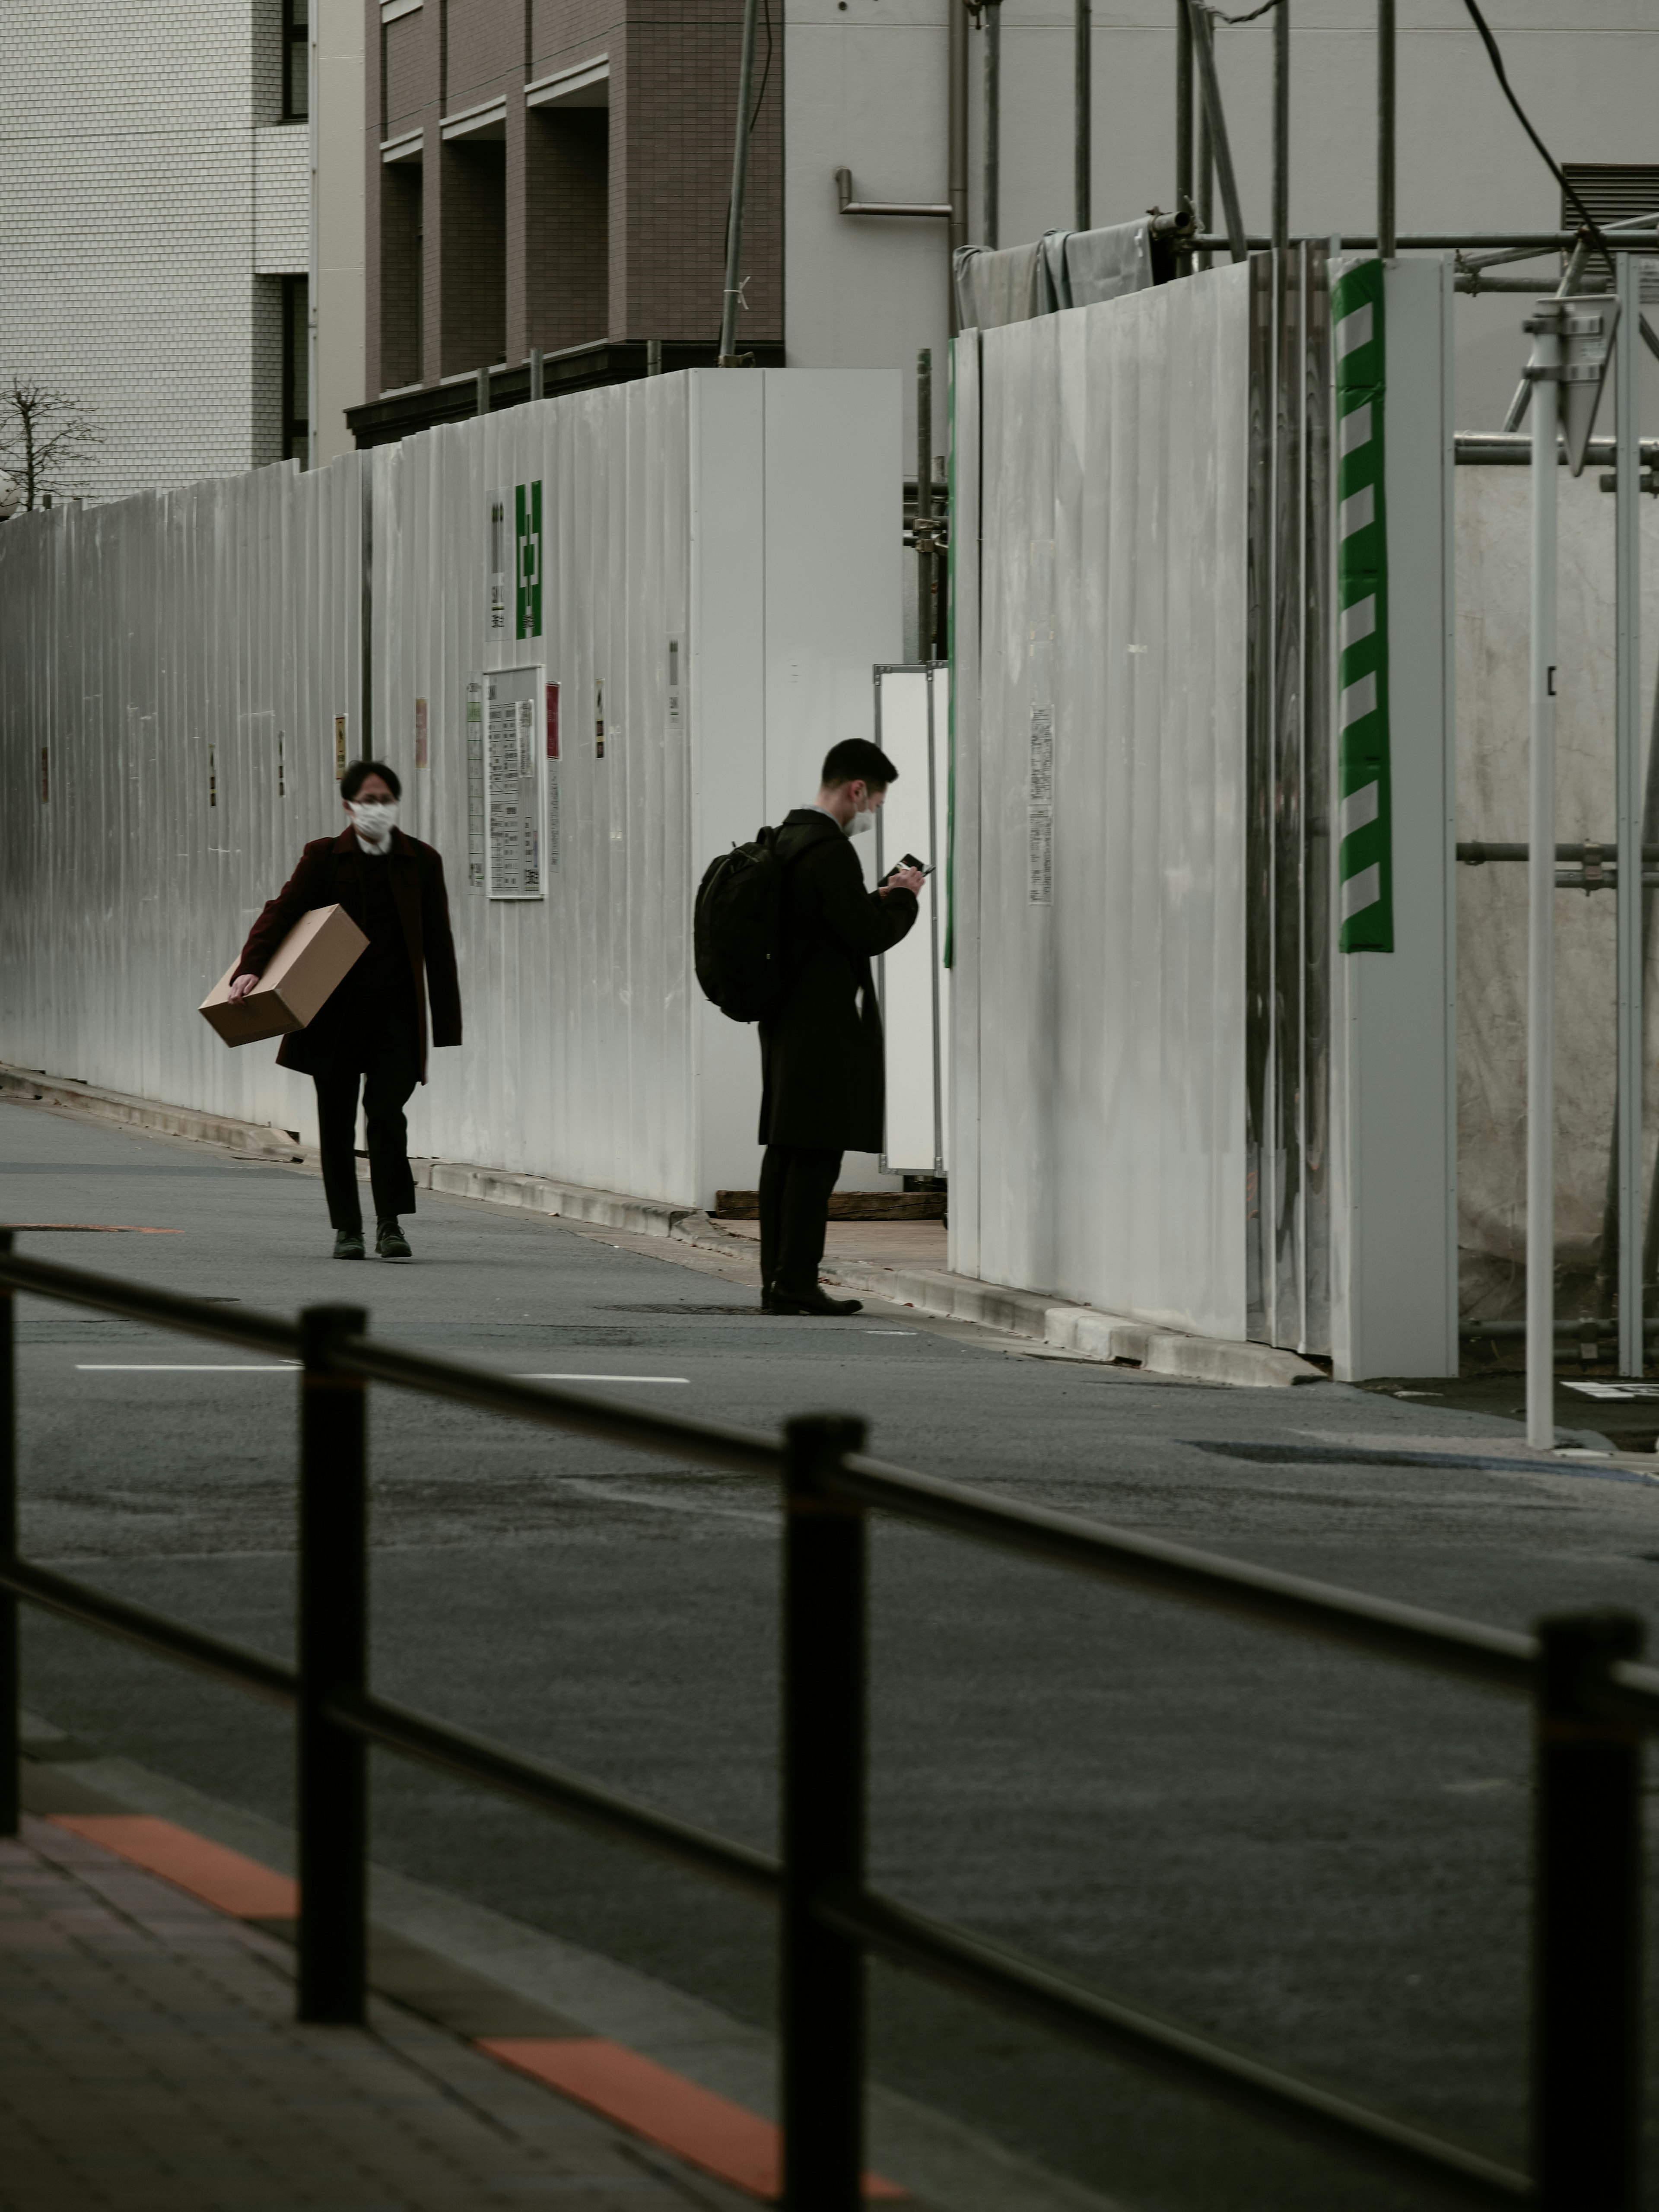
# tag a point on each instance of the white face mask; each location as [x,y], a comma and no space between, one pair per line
[861,824]
[373,819]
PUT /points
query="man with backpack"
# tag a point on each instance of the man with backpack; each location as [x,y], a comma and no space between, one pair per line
[786,931]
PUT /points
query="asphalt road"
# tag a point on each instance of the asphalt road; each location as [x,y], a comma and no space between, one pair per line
[1321,1858]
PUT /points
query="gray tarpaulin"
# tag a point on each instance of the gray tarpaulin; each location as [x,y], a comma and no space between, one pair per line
[1007,286]
[1063,268]
[1103,264]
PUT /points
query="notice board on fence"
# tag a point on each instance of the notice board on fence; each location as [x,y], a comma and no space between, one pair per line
[508,767]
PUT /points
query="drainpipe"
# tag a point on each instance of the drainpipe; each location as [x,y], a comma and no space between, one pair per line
[957,189]
[728,353]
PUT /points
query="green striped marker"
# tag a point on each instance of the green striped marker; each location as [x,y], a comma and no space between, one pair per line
[1364,861]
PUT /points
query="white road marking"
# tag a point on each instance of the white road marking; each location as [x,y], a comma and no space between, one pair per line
[612,1491]
[172,1367]
[686,1379]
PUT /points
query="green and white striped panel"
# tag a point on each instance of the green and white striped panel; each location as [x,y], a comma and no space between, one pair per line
[1364,829]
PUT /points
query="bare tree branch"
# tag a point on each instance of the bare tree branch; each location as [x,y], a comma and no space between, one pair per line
[47,440]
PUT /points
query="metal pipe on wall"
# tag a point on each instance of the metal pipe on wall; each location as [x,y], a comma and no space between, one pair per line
[992,189]
[1540,903]
[1281,218]
[1082,112]
[1386,246]
[1183,129]
[1206,181]
[956,182]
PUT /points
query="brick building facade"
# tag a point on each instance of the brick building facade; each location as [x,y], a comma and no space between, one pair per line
[553,175]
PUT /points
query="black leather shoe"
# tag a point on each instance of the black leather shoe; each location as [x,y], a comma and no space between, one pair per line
[348,1243]
[390,1242]
[814,1302]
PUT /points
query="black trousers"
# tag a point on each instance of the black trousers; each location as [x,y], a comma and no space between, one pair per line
[795,1184]
[379,1048]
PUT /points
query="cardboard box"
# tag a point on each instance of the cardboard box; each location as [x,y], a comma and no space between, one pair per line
[310,964]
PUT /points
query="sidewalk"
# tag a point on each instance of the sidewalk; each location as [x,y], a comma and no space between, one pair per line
[149,2059]
[904,1263]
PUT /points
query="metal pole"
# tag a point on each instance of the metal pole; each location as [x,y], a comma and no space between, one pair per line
[1540,871]
[957,152]
[728,357]
[481,405]
[1385,103]
[992,19]
[1220,151]
[1183,130]
[1083,115]
[333,1811]
[537,375]
[925,638]
[11,1677]
[1627,538]
[1587,1941]
[366,610]
[823,1788]
[1282,125]
[1206,175]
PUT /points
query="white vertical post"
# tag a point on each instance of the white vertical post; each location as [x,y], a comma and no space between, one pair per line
[1541,932]
[1628,757]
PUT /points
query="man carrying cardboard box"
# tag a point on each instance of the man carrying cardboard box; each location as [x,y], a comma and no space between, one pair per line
[373,1029]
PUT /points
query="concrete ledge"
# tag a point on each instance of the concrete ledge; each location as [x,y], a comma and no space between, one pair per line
[116,1107]
[608,1209]
[1082,1329]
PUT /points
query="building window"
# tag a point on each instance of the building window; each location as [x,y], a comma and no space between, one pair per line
[567,226]
[472,273]
[297,369]
[403,258]
[296,60]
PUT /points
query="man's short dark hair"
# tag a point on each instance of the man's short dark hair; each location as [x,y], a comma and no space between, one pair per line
[360,771]
[855,760]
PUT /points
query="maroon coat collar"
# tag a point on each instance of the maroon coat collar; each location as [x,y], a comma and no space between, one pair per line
[403,846]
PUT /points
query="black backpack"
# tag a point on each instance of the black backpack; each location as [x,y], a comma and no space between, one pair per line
[737,929]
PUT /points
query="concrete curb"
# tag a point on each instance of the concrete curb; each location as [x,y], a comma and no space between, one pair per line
[607,1209]
[115,1106]
[1081,1329]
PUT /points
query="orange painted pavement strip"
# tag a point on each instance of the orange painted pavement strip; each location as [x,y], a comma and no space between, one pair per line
[223,1879]
[708,2132]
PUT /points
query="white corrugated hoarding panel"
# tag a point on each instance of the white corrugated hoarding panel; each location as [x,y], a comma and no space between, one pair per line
[183,657]
[1111,750]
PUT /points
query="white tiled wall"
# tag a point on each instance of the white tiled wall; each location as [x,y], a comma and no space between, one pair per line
[146,189]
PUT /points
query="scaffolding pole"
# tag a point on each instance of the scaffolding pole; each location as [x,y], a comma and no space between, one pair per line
[1387,244]
[1220,151]
[1631,964]
[1083,116]
[1540,900]
[1282,125]
[991,223]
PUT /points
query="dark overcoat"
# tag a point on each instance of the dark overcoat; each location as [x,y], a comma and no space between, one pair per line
[331,874]
[821,1057]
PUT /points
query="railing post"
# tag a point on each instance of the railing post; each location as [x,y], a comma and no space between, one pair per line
[1586,1941]
[11,1672]
[823,1788]
[333,1656]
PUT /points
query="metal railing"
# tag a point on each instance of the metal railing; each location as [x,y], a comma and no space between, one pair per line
[1592,1706]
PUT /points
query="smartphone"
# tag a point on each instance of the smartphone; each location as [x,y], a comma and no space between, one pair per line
[908,862]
